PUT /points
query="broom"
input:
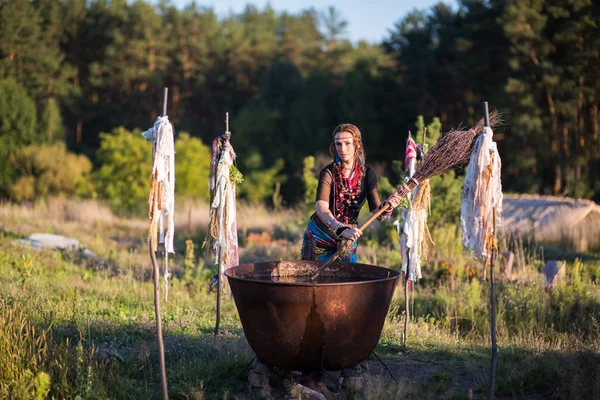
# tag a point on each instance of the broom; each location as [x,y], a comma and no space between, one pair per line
[451,151]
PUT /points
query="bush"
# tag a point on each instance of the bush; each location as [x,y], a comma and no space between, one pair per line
[311,181]
[192,167]
[126,172]
[126,169]
[260,183]
[18,125]
[45,170]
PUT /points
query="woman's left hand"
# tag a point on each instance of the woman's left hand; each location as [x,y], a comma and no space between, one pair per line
[394,200]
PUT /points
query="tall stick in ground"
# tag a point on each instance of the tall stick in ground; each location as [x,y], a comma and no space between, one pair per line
[220,266]
[159,337]
[493,315]
[222,217]
[406,305]
[480,213]
[155,197]
[410,161]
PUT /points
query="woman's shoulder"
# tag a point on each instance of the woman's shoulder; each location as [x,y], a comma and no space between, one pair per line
[369,171]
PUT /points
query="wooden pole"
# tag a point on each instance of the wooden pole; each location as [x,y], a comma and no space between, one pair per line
[492,380]
[406,306]
[493,315]
[165,95]
[219,288]
[155,278]
[220,266]
[159,337]
[493,312]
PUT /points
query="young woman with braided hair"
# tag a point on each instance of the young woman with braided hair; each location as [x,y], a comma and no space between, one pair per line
[344,187]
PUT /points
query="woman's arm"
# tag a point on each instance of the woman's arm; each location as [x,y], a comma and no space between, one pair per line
[329,219]
[372,191]
[324,213]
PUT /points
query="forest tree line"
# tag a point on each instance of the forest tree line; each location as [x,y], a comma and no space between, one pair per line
[78,78]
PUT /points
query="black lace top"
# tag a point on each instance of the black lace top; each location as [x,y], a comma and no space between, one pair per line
[343,205]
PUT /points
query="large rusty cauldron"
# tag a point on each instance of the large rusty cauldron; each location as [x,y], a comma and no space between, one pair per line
[307,326]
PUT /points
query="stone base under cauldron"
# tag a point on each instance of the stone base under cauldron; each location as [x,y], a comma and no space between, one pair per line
[309,386]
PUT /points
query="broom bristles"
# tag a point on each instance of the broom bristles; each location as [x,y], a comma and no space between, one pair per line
[453,150]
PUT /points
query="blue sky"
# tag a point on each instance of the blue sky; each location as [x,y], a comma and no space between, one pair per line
[367,20]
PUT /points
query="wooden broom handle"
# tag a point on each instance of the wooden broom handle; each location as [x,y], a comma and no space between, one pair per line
[402,191]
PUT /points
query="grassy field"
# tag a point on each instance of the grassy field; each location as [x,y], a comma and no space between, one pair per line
[76,328]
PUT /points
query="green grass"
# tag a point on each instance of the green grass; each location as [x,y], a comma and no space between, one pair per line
[73,328]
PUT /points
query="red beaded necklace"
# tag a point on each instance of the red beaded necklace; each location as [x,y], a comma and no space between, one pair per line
[347,190]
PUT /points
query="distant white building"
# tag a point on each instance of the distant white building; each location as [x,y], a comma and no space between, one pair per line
[564,221]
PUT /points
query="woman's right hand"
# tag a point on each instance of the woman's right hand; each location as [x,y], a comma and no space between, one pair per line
[352,234]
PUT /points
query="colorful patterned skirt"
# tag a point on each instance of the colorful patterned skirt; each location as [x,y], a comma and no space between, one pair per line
[318,245]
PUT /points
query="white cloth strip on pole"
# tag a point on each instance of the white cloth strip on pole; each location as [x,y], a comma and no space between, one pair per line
[412,229]
[163,169]
[226,244]
[482,194]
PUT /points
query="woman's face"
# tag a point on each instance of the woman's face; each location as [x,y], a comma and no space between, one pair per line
[344,146]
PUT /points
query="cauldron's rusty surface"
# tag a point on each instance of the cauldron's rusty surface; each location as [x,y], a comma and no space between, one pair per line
[312,326]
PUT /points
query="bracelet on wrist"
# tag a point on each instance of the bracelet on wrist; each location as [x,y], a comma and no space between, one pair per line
[330,222]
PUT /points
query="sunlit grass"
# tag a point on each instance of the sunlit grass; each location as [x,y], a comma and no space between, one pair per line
[87,329]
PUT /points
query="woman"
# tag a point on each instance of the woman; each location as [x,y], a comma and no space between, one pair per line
[344,187]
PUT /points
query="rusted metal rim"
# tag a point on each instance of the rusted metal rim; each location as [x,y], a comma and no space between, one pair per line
[366,281]
[249,272]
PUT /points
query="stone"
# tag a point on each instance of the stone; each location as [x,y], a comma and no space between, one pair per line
[509,258]
[353,383]
[552,271]
[258,380]
[260,392]
[308,394]
[261,368]
[352,378]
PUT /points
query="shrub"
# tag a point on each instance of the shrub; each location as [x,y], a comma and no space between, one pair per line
[126,168]
[310,182]
[18,124]
[260,183]
[125,175]
[45,170]
[192,166]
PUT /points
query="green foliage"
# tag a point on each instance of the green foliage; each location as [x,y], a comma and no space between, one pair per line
[30,48]
[432,134]
[18,125]
[260,183]
[125,174]
[189,263]
[235,175]
[557,95]
[446,198]
[98,331]
[192,167]
[23,267]
[309,176]
[288,79]
[49,170]
[42,386]
[50,125]
[23,351]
